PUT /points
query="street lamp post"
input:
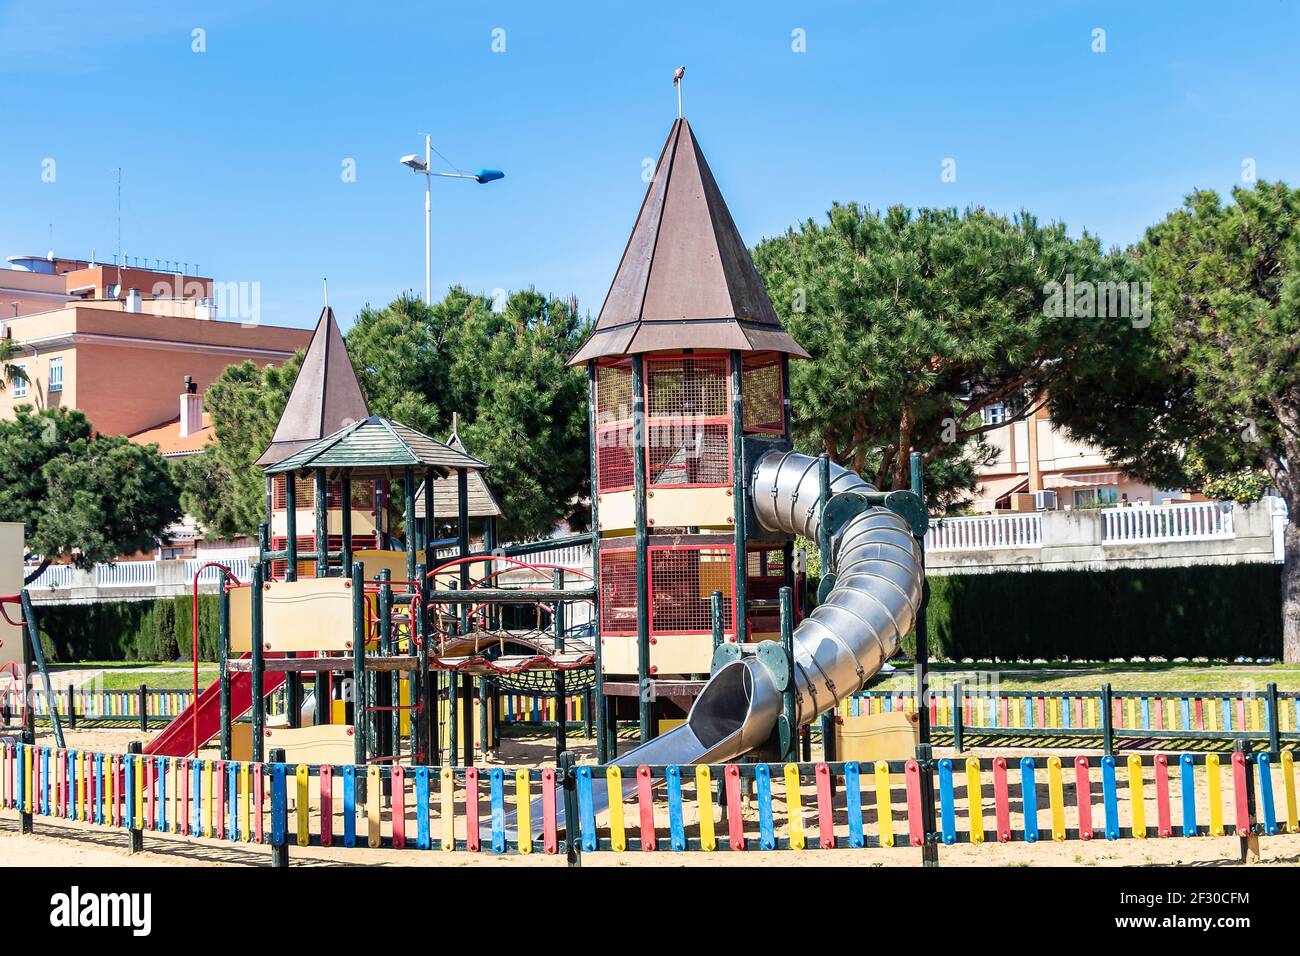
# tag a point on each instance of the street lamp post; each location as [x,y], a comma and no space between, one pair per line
[425,168]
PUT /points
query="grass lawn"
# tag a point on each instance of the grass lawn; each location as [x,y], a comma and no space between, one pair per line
[129,675]
[1121,676]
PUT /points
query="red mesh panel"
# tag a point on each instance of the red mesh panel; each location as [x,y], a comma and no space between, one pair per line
[761,394]
[307,567]
[617,592]
[682,580]
[613,391]
[688,452]
[614,457]
[688,386]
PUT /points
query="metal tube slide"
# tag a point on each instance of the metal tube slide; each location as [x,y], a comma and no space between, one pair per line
[838,648]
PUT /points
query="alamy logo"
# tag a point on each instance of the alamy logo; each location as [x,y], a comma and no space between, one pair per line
[76,909]
[1086,299]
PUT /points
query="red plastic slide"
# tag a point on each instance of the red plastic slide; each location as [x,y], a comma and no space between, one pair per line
[177,738]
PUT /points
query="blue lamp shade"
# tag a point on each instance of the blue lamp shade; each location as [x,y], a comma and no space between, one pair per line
[489,175]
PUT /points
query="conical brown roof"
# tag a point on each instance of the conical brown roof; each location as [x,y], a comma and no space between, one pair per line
[686,279]
[446,492]
[325,397]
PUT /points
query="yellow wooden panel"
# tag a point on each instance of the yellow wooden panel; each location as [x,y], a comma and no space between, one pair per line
[667,724]
[617,511]
[309,615]
[373,561]
[886,736]
[327,743]
[704,801]
[689,507]
[241,741]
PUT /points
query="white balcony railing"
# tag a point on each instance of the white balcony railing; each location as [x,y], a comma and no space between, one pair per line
[1200,521]
[55,576]
[241,567]
[985,533]
[126,574]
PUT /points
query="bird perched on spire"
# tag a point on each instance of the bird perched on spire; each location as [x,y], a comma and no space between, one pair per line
[677,82]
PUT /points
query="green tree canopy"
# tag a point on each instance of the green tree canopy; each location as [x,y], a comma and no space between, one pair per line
[1211,390]
[81,496]
[221,486]
[919,321]
[520,409]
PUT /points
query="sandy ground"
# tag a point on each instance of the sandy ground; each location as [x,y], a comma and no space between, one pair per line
[65,843]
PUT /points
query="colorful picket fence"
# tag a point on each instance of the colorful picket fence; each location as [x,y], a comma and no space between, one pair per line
[539,709]
[1189,715]
[111,705]
[731,807]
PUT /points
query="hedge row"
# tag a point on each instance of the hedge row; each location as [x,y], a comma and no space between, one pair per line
[1203,611]
[157,630]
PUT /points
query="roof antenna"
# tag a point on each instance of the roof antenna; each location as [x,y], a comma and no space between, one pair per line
[455,424]
[677,82]
[326,284]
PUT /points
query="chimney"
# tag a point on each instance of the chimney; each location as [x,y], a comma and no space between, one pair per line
[191,408]
[132,300]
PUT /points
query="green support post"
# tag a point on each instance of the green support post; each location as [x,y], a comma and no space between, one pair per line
[639,492]
[789,704]
[557,625]
[1107,718]
[467,717]
[922,667]
[33,630]
[462,545]
[824,563]
[346,519]
[1248,841]
[135,835]
[430,523]
[602,744]
[257,664]
[386,689]
[930,845]
[322,525]
[453,712]
[484,702]
[223,663]
[408,487]
[358,665]
[421,679]
[740,564]
[142,695]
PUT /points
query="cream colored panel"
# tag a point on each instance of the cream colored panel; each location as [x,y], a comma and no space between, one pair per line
[617,511]
[310,615]
[689,507]
[669,654]
[618,653]
[363,522]
[330,743]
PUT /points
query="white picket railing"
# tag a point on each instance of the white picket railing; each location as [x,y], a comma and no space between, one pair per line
[126,574]
[985,533]
[1199,521]
[55,576]
[240,567]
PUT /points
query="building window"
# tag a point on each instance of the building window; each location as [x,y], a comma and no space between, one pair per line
[1100,497]
[995,414]
[56,375]
[20,382]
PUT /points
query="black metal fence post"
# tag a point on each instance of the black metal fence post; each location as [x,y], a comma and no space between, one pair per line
[131,767]
[1107,718]
[1274,724]
[930,845]
[144,709]
[572,840]
[957,716]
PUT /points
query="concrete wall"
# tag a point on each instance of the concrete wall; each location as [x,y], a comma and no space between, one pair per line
[1073,540]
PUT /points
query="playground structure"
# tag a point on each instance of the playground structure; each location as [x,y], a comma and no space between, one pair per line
[397,662]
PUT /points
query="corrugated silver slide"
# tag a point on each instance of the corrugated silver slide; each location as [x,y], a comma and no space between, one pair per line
[837,648]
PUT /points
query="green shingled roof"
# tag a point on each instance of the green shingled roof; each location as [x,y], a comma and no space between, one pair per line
[377,448]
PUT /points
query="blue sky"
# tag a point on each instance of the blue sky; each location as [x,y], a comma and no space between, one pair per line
[232,158]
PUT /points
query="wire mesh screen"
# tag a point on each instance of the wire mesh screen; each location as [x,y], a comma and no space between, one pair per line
[614,457]
[307,542]
[682,581]
[766,576]
[689,453]
[761,393]
[618,592]
[687,386]
[613,391]
[363,494]
[688,433]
